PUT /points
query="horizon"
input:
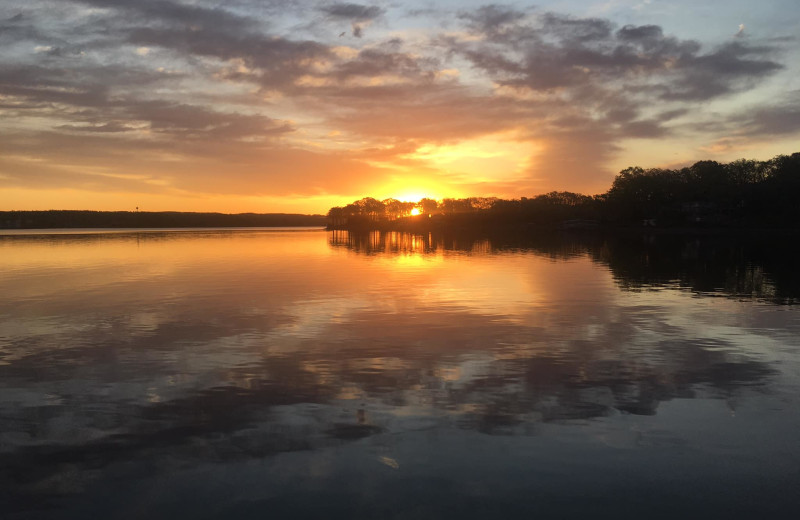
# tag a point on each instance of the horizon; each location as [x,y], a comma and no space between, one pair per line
[415,201]
[268,108]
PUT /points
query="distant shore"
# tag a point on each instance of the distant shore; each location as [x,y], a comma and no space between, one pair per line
[69,219]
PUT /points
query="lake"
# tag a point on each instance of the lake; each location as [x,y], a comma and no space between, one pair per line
[299,373]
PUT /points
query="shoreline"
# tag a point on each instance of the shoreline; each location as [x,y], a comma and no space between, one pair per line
[87,219]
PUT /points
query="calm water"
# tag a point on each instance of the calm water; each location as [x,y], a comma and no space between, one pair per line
[311,374]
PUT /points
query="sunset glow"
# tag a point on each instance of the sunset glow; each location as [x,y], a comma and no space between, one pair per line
[266,107]
[484,159]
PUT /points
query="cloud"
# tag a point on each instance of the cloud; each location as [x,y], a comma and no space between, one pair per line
[587,84]
[556,51]
[491,19]
[359,15]
[109,161]
[607,77]
[731,67]
[649,36]
[578,30]
[175,13]
[354,12]
[776,119]
[102,128]
[60,89]
[195,122]
[205,87]
[19,28]
[279,61]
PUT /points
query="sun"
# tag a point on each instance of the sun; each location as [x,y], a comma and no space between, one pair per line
[415,212]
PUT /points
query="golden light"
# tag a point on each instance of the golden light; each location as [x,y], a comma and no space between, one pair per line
[502,156]
[413,181]
[415,212]
[414,196]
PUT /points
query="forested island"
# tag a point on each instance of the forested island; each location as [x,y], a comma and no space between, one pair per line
[742,193]
[150,219]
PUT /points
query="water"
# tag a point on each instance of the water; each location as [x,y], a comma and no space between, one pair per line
[306,374]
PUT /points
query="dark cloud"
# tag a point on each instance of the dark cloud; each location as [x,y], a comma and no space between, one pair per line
[780,118]
[377,62]
[85,100]
[582,30]
[731,67]
[359,15]
[354,12]
[643,33]
[491,19]
[20,28]
[187,121]
[175,120]
[279,61]
[174,13]
[42,86]
[560,51]
[64,88]
[644,129]
[776,120]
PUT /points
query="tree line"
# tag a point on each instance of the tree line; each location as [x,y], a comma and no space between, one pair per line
[150,219]
[707,193]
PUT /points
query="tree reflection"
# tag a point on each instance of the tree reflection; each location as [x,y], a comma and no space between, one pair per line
[738,267]
[760,267]
[384,242]
[552,245]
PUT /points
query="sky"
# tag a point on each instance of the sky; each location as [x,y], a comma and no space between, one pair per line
[300,105]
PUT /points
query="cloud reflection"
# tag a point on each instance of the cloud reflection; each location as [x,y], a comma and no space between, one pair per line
[286,346]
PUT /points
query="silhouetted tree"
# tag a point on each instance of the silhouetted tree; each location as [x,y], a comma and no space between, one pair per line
[428,206]
[743,192]
[371,208]
[393,208]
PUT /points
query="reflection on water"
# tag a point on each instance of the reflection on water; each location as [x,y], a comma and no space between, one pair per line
[305,373]
[751,266]
[746,267]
